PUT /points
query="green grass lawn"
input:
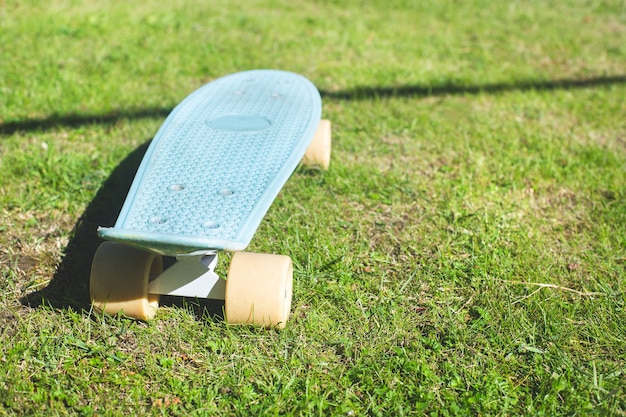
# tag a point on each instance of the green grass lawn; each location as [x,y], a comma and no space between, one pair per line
[464,255]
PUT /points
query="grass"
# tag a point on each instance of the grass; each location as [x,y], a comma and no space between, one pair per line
[465,253]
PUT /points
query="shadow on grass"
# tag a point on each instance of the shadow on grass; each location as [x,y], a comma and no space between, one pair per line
[357,93]
[417,91]
[69,287]
[202,309]
[74,120]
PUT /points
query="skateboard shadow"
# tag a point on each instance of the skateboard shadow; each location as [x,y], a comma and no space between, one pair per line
[202,309]
[69,287]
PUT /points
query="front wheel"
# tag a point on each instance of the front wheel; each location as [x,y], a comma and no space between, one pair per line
[119,280]
[318,152]
[259,289]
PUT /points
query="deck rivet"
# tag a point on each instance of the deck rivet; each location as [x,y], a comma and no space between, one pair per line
[211,225]
[176,187]
[157,220]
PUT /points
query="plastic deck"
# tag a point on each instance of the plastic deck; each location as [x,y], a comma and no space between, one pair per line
[216,164]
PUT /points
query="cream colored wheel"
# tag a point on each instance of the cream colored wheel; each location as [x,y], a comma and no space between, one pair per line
[318,152]
[258,289]
[119,280]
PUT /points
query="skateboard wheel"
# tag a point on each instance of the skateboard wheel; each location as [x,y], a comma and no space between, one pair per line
[259,289]
[119,280]
[318,152]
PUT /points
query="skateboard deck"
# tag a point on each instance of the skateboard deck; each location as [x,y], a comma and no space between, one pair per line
[216,164]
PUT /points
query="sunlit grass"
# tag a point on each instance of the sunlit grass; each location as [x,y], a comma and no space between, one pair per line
[464,254]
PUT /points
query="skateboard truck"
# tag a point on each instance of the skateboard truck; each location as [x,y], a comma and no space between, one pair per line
[191,276]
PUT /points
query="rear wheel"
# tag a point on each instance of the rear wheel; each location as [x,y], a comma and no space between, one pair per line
[119,280]
[318,152]
[259,289]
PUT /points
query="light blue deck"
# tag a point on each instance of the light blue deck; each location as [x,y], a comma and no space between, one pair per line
[217,163]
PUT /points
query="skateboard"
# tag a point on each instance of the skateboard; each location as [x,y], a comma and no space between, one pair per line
[203,187]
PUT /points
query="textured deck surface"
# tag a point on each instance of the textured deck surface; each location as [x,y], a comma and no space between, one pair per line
[218,162]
